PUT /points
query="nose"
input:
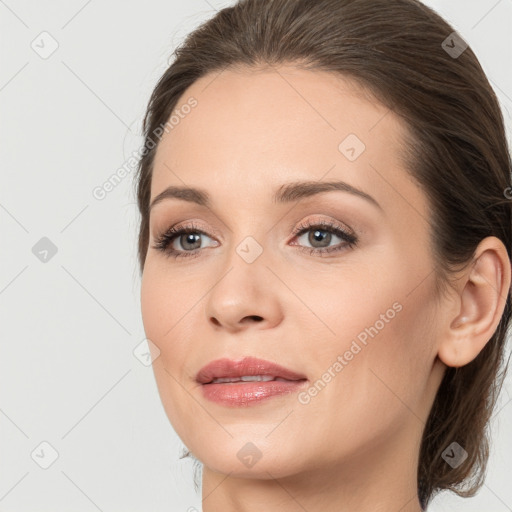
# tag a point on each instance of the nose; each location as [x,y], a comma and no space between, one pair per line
[246,297]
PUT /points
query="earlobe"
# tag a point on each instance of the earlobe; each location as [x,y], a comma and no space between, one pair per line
[481,301]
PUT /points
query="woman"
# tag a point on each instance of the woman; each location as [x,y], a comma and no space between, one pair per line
[325,247]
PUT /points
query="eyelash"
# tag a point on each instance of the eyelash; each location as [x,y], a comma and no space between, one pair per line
[167,238]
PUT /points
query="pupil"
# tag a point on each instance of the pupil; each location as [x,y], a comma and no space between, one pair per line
[319,236]
[191,238]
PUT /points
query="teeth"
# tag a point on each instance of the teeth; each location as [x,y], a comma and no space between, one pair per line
[245,378]
[257,377]
[215,381]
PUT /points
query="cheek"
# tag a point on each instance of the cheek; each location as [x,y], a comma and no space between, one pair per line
[171,308]
[395,333]
[162,307]
[153,303]
[166,303]
[378,344]
[165,314]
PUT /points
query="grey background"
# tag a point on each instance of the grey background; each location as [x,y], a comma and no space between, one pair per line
[68,374]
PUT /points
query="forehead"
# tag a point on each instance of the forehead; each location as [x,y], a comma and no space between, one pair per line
[251,130]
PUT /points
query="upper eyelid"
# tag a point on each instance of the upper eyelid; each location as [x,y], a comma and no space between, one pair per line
[310,219]
[297,229]
[188,224]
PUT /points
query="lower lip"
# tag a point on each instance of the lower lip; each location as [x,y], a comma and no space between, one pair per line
[237,394]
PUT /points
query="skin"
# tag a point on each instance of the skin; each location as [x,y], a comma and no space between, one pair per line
[355,445]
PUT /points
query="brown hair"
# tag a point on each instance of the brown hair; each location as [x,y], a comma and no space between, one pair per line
[456,150]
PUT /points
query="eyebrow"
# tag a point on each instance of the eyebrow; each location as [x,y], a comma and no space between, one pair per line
[286,193]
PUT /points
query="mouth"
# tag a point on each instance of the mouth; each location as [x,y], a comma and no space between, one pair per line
[247,381]
[246,370]
[248,378]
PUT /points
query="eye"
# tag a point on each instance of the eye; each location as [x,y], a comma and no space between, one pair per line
[189,238]
[321,235]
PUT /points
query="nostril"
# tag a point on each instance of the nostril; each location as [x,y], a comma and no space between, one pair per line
[255,317]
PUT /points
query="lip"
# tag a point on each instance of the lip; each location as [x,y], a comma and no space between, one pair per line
[229,368]
[241,393]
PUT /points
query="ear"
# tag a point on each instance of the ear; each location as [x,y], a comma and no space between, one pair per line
[482,294]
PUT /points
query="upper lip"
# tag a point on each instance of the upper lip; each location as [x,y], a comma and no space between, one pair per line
[225,367]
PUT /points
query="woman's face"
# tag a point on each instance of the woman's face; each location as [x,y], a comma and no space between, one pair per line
[353,314]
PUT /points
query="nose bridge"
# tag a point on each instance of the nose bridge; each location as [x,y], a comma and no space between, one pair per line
[246,261]
[249,236]
[241,291]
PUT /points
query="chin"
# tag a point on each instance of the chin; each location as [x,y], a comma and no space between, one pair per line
[244,458]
